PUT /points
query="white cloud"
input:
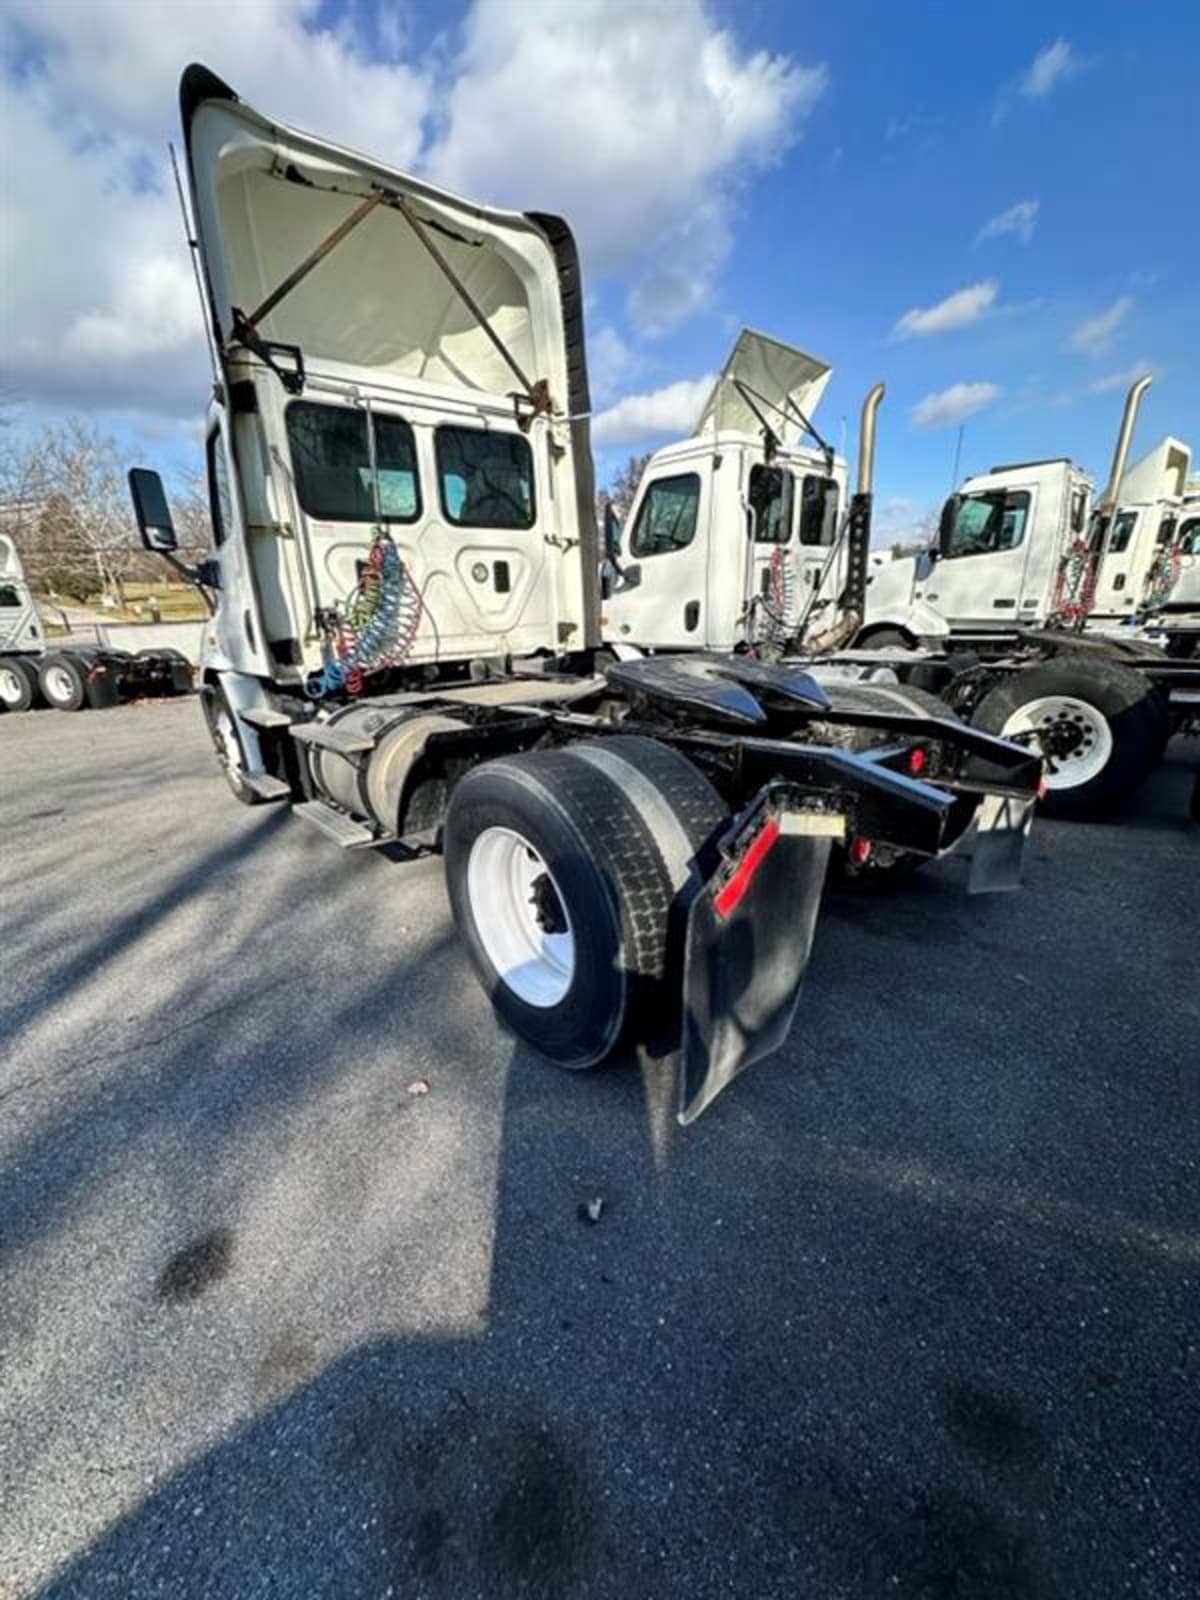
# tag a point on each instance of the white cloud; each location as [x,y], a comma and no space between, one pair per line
[1095,336]
[1057,60]
[1122,379]
[100,310]
[638,124]
[673,409]
[611,363]
[1019,219]
[955,404]
[955,311]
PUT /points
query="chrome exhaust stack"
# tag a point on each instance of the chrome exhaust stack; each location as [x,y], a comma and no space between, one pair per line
[1133,404]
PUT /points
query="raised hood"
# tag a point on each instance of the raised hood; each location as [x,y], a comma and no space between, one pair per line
[1161,474]
[267,197]
[783,383]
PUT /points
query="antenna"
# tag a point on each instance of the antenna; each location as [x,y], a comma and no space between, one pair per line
[962,428]
[193,245]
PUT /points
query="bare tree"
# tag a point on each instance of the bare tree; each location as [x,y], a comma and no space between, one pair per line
[84,474]
[623,488]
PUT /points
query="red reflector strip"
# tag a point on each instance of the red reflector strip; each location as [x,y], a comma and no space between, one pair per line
[734,892]
[917,760]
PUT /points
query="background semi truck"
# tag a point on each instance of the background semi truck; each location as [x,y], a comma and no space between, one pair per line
[70,677]
[405,644]
[996,619]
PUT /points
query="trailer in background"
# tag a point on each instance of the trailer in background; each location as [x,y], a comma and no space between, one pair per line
[70,677]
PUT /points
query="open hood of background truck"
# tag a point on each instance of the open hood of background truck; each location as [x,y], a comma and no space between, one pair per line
[784,383]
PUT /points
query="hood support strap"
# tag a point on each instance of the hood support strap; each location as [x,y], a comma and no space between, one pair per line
[788,411]
[537,393]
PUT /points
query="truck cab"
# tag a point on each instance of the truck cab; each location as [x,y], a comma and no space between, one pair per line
[1137,571]
[994,564]
[20,631]
[397,368]
[732,528]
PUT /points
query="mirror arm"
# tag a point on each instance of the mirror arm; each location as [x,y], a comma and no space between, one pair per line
[204,576]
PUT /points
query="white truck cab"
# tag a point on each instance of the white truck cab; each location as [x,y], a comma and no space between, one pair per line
[732,527]
[394,360]
[996,563]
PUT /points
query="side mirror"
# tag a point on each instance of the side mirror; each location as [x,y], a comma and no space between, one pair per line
[1079,511]
[924,563]
[631,576]
[152,511]
[612,535]
[946,523]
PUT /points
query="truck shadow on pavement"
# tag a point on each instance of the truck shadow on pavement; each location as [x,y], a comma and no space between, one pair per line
[765,1369]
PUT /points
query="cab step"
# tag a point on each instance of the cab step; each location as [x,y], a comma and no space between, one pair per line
[265,717]
[343,830]
[326,738]
[266,786]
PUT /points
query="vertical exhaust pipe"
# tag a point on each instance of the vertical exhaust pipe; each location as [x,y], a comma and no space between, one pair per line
[1133,404]
[852,602]
[866,439]
[1079,570]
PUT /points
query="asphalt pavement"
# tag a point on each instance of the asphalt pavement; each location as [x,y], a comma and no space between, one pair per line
[300,1294]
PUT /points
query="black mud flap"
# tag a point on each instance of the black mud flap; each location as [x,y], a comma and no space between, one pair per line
[749,935]
[1001,829]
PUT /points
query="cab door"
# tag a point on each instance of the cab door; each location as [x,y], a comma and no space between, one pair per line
[978,578]
[1116,588]
[659,600]
[773,574]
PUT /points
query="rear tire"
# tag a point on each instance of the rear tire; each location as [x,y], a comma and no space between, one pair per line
[1101,726]
[563,869]
[18,684]
[63,682]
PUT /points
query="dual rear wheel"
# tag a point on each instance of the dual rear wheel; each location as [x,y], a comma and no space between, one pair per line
[569,874]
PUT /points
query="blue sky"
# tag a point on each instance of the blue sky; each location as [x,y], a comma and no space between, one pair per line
[992,209]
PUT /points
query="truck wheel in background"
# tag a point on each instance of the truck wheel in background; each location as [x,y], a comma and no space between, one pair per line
[63,681]
[222,729]
[563,868]
[18,683]
[884,639]
[1101,727]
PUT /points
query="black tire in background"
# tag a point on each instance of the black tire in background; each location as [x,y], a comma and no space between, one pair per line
[1120,695]
[223,731]
[18,684]
[62,680]
[884,639]
[615,824]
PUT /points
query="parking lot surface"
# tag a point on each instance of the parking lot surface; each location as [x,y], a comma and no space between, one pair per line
[913,1311]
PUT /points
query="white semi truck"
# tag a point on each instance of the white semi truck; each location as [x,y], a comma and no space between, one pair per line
[990,619]
[405,644]
[69,677]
